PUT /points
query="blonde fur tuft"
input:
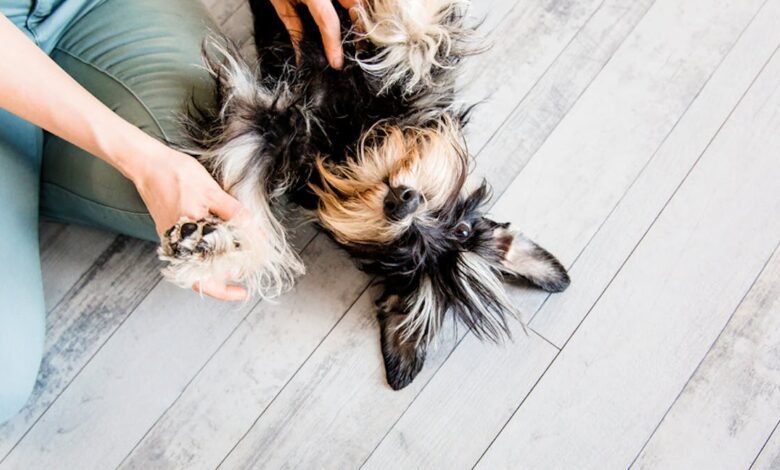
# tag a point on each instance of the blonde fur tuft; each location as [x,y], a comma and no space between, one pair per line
[416,40]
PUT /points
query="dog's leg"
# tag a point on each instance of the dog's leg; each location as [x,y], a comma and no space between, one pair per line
[403,351]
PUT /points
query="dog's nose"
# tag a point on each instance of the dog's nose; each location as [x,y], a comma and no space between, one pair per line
[400,202]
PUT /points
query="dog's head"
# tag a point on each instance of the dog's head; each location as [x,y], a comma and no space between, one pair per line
[401,207]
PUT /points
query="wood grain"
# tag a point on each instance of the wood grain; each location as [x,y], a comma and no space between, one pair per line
[732,402]
[66,255]
[82,321]
[612,383]
[259,358]
[631,217]
[769,457]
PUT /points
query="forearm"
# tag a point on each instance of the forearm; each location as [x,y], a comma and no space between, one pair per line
[34,88]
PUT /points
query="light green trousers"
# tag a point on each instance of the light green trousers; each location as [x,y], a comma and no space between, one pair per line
[139,57]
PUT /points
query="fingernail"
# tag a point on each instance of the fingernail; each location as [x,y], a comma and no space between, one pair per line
[337,61]
[353,14]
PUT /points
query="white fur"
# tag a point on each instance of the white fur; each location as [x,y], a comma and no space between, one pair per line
[488,275]
[525,258]
[412,36]
[424,315]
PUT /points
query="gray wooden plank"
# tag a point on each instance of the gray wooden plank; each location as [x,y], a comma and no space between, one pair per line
[324,417]
[82,321]
[165,342]
[769,457]
[451,429]
[67,256]
[440,399]
[527,40]
[247,372]
[610,386]
[630,219]
[58,438]
[532,120]
[725,412]
[48,232]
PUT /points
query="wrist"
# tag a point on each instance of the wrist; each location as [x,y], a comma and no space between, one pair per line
[137,156]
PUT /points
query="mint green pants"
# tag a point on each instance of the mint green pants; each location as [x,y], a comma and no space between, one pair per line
[139,57]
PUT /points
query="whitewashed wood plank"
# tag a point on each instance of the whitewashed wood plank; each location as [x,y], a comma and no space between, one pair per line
[451,429]
[248,371]
[526,41]
[82,321]
[465,403]
[441,399]
[631,218]
[67,256]
[533,119]
[80,415]
[769,457]
[164,343]
[467,397]
[610,386]
[324,418]
[48,232]
[732,402]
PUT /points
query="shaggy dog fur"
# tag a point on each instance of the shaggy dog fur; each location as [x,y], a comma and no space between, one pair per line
[376,152]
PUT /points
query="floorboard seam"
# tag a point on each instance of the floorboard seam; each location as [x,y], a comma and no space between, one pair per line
[704,357]
[761,450]
[657,215]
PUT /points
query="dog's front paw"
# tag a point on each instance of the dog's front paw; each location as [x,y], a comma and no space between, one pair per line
[192,250]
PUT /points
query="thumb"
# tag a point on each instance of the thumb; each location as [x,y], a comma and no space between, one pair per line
[226,207]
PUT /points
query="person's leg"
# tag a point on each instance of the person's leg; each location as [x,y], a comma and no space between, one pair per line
[22,313]
[142,59]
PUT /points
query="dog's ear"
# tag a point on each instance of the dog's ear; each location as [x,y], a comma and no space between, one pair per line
[522,258]
[403,346]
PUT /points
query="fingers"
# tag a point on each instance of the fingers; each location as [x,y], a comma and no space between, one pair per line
[226,207]
[292,22]
[328,21]
[221,291]
[351,7]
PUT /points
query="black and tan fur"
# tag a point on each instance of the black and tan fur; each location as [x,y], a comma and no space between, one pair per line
[376,152]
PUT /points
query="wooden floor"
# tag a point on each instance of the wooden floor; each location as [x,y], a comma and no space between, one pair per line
[639,140]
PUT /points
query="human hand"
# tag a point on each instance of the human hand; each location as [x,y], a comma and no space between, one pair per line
[174,185]
[327,20]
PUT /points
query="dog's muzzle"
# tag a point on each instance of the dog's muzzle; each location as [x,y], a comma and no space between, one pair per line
[400,202]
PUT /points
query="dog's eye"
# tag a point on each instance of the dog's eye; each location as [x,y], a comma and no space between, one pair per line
[463,230]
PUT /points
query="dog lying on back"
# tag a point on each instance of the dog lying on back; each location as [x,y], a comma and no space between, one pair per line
[376,153]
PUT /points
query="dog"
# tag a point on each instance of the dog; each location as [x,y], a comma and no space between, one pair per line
[375,153]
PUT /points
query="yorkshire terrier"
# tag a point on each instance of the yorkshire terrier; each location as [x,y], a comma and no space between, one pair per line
[375,152]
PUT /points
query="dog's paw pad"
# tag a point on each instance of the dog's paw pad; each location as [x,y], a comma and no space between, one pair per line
[188,238]
[188,229]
